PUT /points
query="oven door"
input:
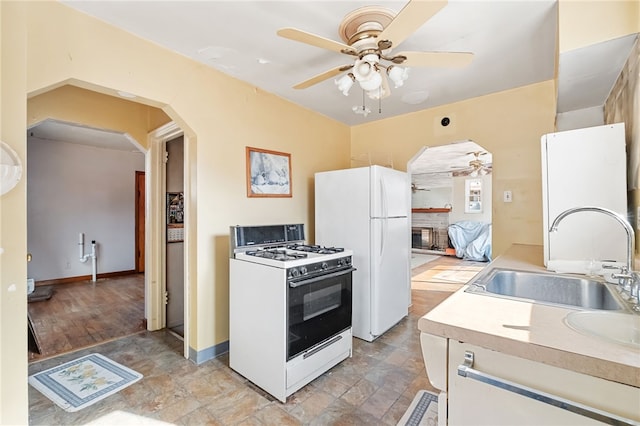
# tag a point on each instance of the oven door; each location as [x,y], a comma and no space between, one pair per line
[318,308]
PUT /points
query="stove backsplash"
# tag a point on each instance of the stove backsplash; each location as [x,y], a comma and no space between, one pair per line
[264,235]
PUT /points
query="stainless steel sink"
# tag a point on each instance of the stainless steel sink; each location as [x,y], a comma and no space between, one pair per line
[548,288]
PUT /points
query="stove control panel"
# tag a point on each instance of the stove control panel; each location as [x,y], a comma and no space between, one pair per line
[319,268]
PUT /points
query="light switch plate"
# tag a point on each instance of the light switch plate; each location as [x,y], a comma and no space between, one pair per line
[507,197]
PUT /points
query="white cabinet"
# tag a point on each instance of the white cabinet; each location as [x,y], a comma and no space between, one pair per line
[584,167]
[472,401]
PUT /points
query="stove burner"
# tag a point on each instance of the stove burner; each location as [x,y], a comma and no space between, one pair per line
[327,250]
[276,254]
[315,248]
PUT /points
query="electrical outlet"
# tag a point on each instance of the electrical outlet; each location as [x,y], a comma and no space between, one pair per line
[507,197]
[68,265]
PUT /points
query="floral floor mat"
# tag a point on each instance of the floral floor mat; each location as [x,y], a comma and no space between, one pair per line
[84,381]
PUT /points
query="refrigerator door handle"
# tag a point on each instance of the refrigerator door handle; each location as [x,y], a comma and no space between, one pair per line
[383,197]
[383,233]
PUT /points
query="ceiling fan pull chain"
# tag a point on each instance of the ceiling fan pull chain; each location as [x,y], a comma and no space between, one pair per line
[364,110]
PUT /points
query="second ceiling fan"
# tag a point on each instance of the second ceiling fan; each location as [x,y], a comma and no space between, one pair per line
[476,166]
[369,35]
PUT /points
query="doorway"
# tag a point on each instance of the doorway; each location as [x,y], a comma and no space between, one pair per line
[140,211]
[451,186]
[82,215]
[174,255]
[64,251]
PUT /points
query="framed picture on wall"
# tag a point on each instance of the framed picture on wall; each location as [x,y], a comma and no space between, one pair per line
[268,173]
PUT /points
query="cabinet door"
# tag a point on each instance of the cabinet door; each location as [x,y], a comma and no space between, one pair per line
[584,167]
[472,402]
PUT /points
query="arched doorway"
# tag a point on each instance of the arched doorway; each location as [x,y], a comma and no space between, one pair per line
[152,164]
[451,184]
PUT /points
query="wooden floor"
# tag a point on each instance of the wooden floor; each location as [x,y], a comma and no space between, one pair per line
[436,280]
[84,314]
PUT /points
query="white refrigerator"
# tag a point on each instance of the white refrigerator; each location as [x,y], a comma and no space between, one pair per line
[367,210]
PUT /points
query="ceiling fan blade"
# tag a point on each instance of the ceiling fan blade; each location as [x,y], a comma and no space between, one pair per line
[447,172]
[322,77]
[314,40]
[437,59]
[410,18]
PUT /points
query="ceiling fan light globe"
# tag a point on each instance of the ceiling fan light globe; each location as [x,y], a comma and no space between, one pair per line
[363,70]
[371,58]
[344,83]
[372,83]
[398,75]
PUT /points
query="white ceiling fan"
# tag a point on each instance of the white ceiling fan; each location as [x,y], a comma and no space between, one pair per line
[369,35]
[415,188]
[476,166]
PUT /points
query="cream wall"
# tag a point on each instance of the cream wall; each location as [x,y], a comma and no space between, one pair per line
[13,220]
[508,124]
[586,22]
[76,105]
[220,116]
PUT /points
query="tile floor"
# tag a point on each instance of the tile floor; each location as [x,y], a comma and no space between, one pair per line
[374,386]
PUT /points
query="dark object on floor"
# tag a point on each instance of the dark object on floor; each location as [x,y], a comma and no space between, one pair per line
[41,293]
[34,343]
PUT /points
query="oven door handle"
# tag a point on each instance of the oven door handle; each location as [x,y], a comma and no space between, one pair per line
[300,282]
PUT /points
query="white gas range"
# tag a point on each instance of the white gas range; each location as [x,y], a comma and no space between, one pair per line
[295,257]
[290,307]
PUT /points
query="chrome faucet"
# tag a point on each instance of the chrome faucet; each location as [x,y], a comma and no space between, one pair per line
[628,277]
[631,238]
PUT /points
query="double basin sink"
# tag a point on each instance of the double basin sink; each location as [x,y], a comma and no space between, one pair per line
[600,310]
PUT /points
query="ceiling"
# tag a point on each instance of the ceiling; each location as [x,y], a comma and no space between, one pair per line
[513,43]
[587,75]
[61,131]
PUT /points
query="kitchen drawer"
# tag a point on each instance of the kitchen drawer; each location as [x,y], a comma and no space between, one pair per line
[301,370]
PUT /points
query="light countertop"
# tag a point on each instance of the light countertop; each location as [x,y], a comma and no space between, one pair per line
[531,331]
